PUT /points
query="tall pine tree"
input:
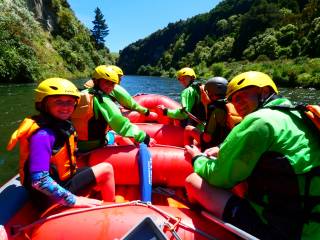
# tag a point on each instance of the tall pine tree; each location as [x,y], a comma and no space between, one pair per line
[100,28]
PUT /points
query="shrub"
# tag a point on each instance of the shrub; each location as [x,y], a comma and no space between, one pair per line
[218,69]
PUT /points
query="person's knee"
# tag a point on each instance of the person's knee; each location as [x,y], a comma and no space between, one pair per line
[191,183]
[104,171]
[190,179]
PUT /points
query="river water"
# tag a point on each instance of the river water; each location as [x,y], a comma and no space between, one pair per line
[17,101]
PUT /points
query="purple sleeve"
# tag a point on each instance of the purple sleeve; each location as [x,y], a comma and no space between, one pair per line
[41,144]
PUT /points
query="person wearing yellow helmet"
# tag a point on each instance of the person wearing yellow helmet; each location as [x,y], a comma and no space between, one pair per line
[48,165]
[121,95]
[276,152]
[118,70]
[107,113]
[190,100]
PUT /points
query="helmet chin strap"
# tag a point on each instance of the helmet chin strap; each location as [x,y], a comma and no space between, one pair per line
[263,98]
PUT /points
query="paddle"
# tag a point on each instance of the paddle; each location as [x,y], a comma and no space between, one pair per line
[145,172]
[191,116]
[228,226]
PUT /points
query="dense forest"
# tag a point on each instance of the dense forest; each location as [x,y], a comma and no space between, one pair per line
[281,37]
[43,38]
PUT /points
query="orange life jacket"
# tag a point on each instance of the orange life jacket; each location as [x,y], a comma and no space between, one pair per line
[312,112]
[82,114]
[233,117]
[63,161]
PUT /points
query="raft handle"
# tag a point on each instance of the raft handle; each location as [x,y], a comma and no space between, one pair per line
[172,227]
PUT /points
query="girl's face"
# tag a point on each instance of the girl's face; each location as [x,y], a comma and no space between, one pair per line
[61,107]
[106,86]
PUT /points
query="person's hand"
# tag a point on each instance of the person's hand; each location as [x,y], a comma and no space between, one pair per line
[147,113]
[191,135]
[160,110]
[192,151]
[212,152]
[89,84]
[204,96]
[87,202]
[153,116]
[152,142]
[149,141]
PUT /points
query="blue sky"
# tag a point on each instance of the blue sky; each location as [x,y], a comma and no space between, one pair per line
[131,20]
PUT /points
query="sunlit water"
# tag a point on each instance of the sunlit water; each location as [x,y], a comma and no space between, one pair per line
[17,101]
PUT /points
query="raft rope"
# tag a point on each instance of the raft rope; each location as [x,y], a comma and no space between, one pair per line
[168,216]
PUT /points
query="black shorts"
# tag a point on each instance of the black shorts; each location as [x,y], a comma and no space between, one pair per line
[83,179]
[240,213]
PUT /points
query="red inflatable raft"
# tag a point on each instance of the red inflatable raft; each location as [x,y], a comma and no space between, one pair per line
[168,216]
[115,220]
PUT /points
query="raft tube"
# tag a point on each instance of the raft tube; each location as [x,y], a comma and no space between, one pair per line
[163,133]
[151,101]
[169,164]
[114,221]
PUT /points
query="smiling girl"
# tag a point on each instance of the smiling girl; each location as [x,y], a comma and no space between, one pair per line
[48,167]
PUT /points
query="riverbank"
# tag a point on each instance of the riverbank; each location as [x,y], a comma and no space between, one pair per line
[299,72]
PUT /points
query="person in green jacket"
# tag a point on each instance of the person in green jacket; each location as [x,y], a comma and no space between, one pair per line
[107,113]
[119,94]
[276,152]
[190,100]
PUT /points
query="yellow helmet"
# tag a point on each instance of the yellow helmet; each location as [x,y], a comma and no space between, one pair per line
[117,70]
[105,72]
[251,78]
[186,72]
[56,86]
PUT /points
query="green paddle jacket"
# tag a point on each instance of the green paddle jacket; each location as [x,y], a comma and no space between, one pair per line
[191,102]
[125,99]
[107,114]
[264,131]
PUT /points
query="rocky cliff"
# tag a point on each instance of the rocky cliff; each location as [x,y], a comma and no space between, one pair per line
[44,13]
[60,44]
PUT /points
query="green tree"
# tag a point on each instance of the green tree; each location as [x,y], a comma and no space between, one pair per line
[263,44]
[221,50]
[223,26]
[314,36]
[287,34]
[100,29]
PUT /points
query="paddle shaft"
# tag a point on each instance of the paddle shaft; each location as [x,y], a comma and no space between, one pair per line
[193,117]
[237,231]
